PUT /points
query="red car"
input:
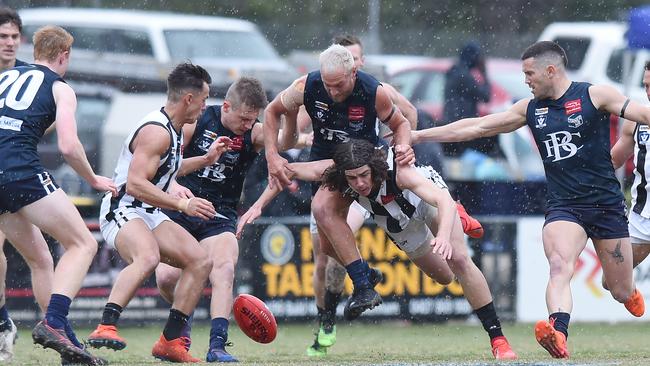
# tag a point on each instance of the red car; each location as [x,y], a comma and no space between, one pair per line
[424,85]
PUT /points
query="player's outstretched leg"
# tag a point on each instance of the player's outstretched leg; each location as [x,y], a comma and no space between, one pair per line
[552,340]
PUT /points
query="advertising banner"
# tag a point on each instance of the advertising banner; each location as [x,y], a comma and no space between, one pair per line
[279,255]
[590,301]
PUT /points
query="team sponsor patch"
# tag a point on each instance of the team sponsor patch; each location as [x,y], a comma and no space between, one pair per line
[575,121]
[356,113]
[539,111]
[237,143]
[572,106]
[321,105]
[8,123]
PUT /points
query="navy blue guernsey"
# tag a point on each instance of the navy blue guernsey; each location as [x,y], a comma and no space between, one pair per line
[222,182]
[336,123]
[573,139]
[20,63]
[28,109]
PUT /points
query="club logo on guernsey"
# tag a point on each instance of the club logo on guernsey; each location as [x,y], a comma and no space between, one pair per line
[320,116]
[207,140]
[559,145]
[540,117]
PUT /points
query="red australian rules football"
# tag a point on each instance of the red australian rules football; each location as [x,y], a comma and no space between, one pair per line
[254,318]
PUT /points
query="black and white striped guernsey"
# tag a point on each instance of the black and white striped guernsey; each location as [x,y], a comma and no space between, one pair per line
[168,165]
[400,212]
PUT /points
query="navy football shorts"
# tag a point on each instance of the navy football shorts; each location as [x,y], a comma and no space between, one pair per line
[18,194]
[201,229]
[607,222]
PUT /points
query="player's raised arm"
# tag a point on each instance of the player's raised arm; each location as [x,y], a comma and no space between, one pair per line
[286,103]
[389,114]
[607,98]
[473,128]
[407,108]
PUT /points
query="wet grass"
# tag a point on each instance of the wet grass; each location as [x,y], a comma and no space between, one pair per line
[389,343]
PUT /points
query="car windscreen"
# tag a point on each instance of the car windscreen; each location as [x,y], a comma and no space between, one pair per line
[97,39]
[198,44]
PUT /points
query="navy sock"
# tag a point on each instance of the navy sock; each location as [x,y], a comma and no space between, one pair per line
[187,329]
[358,271]
[176,321]
[57,311]
[218,333]
[4,319]
[4,314]
[71,336]
[561,322]
[111,315]
[489,319]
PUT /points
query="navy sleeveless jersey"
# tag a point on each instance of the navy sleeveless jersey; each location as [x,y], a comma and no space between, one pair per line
[27,110]
[20,63]
[573,139]
[222,182]
[336,123]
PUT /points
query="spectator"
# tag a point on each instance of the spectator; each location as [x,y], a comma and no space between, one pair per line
[464,89]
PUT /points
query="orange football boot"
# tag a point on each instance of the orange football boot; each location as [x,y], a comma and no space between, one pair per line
[552,340]
[173,351]
[106,336]
[635,304]
[471,226]
[501,349]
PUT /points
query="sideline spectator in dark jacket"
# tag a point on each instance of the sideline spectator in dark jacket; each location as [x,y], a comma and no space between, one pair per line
[466,85]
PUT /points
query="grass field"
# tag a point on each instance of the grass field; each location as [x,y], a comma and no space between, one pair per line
[390,343]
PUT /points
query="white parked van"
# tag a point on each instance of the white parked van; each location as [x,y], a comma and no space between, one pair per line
[135,44]
[596,53]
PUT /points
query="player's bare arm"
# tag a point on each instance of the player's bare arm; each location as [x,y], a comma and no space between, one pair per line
[407,108]
[150,144]
[216,149]
[308,171]
[624,147]
[389,114]
[607,98]
[68,140]
[286,103]
[473,128]
[408,178]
